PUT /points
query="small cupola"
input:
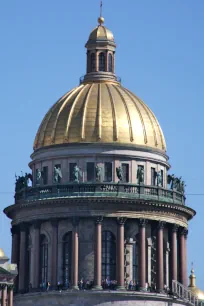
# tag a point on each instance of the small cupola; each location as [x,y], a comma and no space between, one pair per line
[100,54]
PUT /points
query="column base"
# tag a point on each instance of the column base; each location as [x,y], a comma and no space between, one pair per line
[97,288]
[161,291]
[143,289]
[75,288]
[120,288]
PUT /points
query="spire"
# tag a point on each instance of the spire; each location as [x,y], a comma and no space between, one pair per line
[101,20]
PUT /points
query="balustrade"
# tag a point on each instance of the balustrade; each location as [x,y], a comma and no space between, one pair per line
[101,189]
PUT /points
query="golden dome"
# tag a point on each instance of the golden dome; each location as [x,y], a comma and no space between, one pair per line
[101,32]
[196,291]
[100,112]
[2,254]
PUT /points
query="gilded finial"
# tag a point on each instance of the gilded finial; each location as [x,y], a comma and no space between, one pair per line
[192,277]
[101,19]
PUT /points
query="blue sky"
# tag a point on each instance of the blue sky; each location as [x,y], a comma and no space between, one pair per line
[160,50]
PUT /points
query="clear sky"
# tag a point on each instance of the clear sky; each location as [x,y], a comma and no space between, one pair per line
[160,57]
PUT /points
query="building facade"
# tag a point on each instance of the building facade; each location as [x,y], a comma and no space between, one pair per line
[102,206]
[8,273]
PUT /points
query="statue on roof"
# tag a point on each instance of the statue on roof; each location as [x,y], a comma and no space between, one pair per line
[119,173]
[76,173]
[57,174]
[98,173]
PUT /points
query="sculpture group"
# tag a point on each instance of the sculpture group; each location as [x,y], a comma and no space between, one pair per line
[174,182]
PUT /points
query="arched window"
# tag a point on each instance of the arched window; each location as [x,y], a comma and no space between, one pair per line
[110,63]
[101,62]
[93,62]
[43,259]
[108,256]
[67,258]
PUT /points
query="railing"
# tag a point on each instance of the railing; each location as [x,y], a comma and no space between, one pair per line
[120,190]
[81,80]
[185,294]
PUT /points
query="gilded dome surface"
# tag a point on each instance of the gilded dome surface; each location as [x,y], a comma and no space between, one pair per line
[100,112]
[2,254]
[101,33]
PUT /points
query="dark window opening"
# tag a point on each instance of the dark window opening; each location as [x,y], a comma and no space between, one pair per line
[90,168]
[108,177]
[43,259]
[162,178]
[67,258]
[153,176]
[102,62]
[108,256]
[45,175]
[125,169]
[71,171]
[135,262]
[110,63]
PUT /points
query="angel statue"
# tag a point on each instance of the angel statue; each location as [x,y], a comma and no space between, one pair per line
[76,174]
[171,180]
[119,173]
[38,176]
[140,175]
[57,174]
[98,173]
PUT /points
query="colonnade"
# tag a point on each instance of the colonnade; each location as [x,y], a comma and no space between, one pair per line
[6,295]
[178,260]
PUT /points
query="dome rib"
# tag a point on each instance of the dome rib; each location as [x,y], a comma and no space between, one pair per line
[150,119]
[127,113]
[115,121]
[60,111]
[99,112]
[84,111]
[140,115]
[70,114]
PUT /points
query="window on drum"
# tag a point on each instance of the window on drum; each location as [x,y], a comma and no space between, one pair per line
[108,175]
[90,170]
[125,171]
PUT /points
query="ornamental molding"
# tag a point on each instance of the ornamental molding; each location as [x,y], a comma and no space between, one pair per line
[78,201]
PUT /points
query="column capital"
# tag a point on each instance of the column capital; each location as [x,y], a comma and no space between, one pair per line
[23,227]
[184,232]
[75,221]
[99,220]
[175,228]
[161,225]
[143,222]
[37,224]
[14,229]
[121,220]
